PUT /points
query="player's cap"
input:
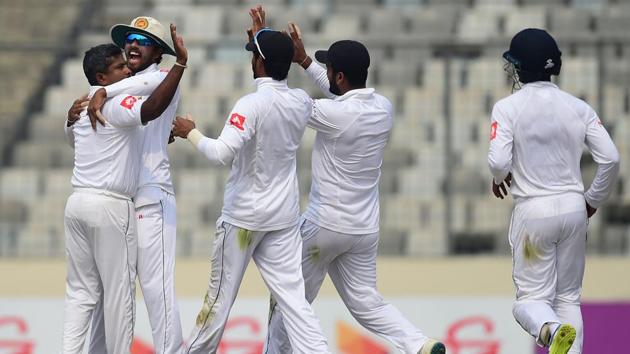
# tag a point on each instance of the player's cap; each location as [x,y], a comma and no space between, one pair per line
[272,45]
[144,25]
[345,56]
[534,50]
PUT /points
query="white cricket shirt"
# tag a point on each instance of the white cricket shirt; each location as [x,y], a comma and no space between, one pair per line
[352,132]
[261,138]
[155,174]
[538,134]
[108,159]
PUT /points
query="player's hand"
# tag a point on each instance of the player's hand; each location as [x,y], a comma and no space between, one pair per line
[258,18]
[181,53]
[299,53]
[94,107]
[590,211]
[74,113]
[500,190]
[182,126]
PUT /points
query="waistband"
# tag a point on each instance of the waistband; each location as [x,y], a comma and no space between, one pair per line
[102,192]
[550,205]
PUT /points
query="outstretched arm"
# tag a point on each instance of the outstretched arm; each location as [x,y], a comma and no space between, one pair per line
[314,71]
[161,96]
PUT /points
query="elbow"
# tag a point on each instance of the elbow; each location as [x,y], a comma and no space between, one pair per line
[499,168]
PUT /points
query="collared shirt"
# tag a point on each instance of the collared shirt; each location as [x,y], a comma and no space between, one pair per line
[352,132]
[155,174]
[538,134]
[108,159]
[261,137]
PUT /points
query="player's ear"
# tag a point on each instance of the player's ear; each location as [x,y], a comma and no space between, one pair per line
[101,79]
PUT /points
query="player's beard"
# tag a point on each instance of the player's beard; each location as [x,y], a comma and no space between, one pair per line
[334,89]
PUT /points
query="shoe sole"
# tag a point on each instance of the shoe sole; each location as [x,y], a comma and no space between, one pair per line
[562,340]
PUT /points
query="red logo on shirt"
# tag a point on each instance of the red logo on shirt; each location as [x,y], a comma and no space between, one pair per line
[493,130]
[238,121]
[128,102]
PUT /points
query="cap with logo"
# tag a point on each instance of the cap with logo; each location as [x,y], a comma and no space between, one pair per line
[345,56]
[533,50]
[144,25]
[274,46]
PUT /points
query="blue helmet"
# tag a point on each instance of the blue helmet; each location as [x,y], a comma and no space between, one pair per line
[534,52]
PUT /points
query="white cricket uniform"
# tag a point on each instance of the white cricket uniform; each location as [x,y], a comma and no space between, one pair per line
[260,215]
[100,227]
[340,228]
[538,134]
[156,215]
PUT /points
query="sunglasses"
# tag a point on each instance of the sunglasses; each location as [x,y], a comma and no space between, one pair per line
[142,40]
[256,40]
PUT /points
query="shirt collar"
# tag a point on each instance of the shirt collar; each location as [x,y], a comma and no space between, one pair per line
[267,81]
[358,93]
[151,68]
[541,84]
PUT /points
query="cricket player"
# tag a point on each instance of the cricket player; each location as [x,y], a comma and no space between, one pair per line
[536,141]
[260,214]
[340,227]
[100,226]
[144,44]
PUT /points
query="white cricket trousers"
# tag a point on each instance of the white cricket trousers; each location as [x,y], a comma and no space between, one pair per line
[350,260]
[101,253]
[548,241]
[277,255]
[156,272]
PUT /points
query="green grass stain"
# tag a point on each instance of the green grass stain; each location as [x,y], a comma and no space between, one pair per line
[314,253]
[244,239]
[529,250]
[205,312]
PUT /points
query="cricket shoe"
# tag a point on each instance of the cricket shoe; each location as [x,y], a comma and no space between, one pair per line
[562,339]
[431,346]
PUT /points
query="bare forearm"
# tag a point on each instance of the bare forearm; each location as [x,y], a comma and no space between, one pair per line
[159,100]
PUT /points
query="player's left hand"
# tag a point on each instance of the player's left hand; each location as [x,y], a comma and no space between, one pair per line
[258,18]
[94,107]
[182,126]
[181,53]
[500,190]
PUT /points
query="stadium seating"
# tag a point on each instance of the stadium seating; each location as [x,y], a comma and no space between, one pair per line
[407,41]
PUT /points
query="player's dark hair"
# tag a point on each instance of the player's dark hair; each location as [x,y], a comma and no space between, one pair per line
[356,79]
[98,59]
[277,70]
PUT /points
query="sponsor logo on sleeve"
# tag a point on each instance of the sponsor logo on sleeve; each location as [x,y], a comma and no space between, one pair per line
[128,102]
[238,121]
[493,130]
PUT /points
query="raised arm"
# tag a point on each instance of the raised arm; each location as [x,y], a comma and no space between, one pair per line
[160,97]
[74,114]
[315,72]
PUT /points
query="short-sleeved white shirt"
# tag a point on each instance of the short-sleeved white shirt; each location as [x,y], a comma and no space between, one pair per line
[109,158]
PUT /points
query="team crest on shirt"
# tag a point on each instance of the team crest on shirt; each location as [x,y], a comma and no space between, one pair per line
[238,121]
[493,130]
[128,102]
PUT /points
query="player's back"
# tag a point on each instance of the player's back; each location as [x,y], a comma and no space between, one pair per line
[106,159]
[549,131]
[346,161]
[262,191]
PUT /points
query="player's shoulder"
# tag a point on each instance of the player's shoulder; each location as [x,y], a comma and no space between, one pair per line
[383,101]
[579,105]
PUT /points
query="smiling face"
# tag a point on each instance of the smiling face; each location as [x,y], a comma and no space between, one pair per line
[139,57]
